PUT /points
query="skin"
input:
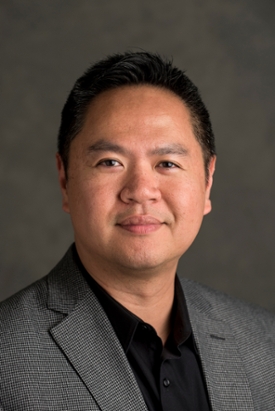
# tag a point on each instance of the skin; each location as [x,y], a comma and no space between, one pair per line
[137,193]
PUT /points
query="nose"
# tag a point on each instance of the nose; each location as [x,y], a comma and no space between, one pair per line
[140,187]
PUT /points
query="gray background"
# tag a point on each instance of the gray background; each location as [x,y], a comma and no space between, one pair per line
[228,50]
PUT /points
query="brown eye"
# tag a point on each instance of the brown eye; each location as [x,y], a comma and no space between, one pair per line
[109,163]
[167,164]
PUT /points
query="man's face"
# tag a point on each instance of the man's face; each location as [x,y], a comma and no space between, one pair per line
[136,188]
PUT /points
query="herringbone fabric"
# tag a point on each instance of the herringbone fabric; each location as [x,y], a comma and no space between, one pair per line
[59,351]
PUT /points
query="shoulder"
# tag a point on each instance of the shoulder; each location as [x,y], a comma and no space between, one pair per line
[58,291]
[26,302]
[25,322]
[239,314]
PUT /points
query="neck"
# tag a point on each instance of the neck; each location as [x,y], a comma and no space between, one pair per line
[153,304]
[147,294]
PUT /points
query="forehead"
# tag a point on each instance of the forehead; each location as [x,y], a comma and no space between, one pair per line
[136,94]
[137,106]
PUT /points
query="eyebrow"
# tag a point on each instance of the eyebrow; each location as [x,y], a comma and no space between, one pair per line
[170,149]
[105,145]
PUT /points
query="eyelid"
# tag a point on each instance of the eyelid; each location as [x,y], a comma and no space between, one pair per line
[105,160]
[175,165]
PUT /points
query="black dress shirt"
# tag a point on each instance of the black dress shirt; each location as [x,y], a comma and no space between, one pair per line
[170,377]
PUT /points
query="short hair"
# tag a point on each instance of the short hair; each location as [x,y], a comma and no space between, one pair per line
[133,69]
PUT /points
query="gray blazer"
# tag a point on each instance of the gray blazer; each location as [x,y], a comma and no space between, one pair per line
[59,351]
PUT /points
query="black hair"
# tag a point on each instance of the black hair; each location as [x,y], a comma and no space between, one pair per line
[129,69]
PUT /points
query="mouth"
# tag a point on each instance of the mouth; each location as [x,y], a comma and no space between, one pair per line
[140,224]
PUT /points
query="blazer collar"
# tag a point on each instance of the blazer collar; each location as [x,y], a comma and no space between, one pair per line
[87,339]
[224,371]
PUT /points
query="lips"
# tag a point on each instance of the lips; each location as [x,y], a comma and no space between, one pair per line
[140,224]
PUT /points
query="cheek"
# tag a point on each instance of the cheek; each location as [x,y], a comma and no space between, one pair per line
[188,210]
[89,203]
[188,197]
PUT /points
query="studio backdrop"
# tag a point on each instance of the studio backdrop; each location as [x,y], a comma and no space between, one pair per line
[226,47]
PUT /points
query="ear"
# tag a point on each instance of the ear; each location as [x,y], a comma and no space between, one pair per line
[62,182]
[211,169]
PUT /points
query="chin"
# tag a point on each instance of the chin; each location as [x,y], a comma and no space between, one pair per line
[144,262]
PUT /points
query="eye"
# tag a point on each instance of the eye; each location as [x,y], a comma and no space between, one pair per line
[109,163]
[167,164]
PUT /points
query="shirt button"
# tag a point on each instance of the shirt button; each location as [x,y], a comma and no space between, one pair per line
[166,382]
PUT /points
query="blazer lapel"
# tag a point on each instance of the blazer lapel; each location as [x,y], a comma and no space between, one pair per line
[224,371]
[87,339]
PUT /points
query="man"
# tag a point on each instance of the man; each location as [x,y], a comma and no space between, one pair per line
[112,327]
